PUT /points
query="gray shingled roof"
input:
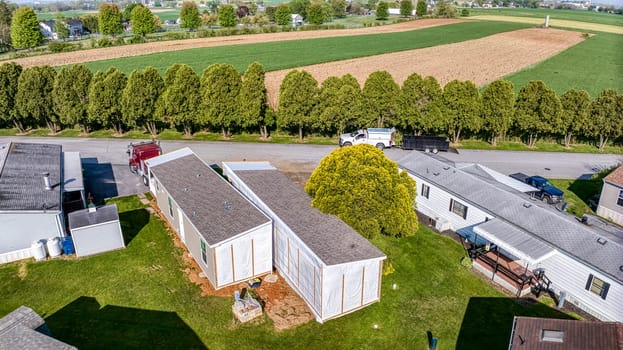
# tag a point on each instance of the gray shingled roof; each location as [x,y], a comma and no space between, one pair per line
[25,329]
[85,217]
[558,229]
[21,177]
[212,205]
[332,240]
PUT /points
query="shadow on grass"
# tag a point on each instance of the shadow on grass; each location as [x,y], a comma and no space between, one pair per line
[84,324]
[587,190]
[487,322]
[132,222]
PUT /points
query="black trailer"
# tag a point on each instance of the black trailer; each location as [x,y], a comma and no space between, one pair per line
[425,143]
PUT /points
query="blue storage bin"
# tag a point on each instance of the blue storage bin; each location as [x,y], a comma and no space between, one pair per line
[68,245]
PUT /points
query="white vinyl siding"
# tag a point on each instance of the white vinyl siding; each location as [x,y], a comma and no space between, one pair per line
[571,276]
[437,204]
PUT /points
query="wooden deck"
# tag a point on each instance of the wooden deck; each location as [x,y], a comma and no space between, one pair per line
[506,272]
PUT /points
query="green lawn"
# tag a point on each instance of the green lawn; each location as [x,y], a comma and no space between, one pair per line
[593,65]
[569,15]
[44,16]
[296,53]
[578,193]
[139,298]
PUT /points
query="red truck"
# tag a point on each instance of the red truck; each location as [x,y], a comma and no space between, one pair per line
[138,153]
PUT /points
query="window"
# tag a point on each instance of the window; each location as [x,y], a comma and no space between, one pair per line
[425,190]
[597,286]
[620,199]
[458,208]
[170,207]
[204,256]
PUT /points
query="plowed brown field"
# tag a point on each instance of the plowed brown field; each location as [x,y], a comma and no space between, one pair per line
[481,61]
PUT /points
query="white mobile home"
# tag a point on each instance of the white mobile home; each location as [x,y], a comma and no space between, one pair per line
[520,241]
[332,267]
[229,238]
[611,198]
[36,182]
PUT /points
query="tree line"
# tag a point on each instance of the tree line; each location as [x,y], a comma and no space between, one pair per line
[223,100]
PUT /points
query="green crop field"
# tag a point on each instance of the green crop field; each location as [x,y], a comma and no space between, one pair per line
[593,65]
[140,298]
[291,54]
[44,16]
[569,15]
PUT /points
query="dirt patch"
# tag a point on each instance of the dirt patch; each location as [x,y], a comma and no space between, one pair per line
[553,22]
[61,59]
[480,61]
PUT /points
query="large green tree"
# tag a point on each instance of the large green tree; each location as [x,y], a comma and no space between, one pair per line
[252,99]
[139,98]
[33,100]
[297,97]
[283,15]
[382,11]
[109,19]
[421,8]
[180,100]
[498,107]
[90,22]
[9,77]
[6,14]
[189,16]
[576,107]
[142,20]
[25,32]
[340,105]
[605,116]
[444,8]
[461,105]
[220,86]
[339,8]
[299,7]
[366,190]
[105,99]
[316,13]
[227,16]
[537,110]
[380,93]
[418,105]
[323,118]
[71,96]
[406,7]
[61,27]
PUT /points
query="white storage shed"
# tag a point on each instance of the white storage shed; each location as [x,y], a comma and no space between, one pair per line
[229,237]
[96,230]
[331,266]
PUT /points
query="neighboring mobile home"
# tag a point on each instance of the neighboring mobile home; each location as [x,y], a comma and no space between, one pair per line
[520,242]
[534,333]
[331,266]
[229,238]
[611,198]
[38,184]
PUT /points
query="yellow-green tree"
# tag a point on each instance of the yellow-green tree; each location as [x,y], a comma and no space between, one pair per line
[25,32]
[366,190]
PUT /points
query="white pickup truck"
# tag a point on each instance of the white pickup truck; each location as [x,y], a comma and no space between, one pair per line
[379,137]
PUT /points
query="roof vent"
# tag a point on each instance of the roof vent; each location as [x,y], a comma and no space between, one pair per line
[436,174]
[46,181]
[601,240]
[621,268]
[198,175]
[226,205]
[185,189]
[553,336]
[446,168]
[527,205]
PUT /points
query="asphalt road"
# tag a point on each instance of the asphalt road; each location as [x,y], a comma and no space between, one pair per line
[107,174]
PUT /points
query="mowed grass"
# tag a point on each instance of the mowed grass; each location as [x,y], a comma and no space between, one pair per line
[567,15]
[296,53]
[593,65]
[139,298]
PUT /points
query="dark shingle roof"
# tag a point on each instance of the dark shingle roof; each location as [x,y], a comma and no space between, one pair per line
[332,240]
[558,229]
[25,329]
[86,217]
[213,206]
[21,177]
[576,335]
